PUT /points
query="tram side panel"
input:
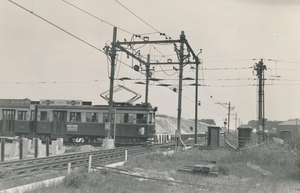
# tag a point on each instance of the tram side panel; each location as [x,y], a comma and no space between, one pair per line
[15,120]
[83,129]
[142,131]
[44,127]
[23,127]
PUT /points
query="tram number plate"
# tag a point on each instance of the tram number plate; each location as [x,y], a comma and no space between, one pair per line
[72,127]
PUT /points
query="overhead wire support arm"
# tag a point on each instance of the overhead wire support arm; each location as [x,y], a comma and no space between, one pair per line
[193,53]
[149,42]
[169,63]
[128,53]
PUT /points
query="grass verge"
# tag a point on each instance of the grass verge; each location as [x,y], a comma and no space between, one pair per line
[158,173]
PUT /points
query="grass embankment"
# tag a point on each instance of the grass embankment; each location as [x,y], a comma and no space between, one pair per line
[160,173]
[11,180]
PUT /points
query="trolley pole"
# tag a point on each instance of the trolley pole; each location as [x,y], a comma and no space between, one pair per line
[112,74]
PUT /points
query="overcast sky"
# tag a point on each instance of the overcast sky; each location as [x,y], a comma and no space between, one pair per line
[40,61]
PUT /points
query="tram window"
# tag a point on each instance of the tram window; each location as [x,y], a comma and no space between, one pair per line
[120,118]
[75,117]
[8,115]
[128,118]
[32,115]
[105,117]
[150,118]
[141,118]
[22,115]
[44,116]
[91,117]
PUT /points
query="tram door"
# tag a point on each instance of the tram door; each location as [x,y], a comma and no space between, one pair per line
[8,121]
[59,123]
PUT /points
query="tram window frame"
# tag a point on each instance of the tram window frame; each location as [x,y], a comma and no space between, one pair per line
[92,117]
[128,118]
[42,116]
[9,114]
[141,118]
[75,116]
[151,118]
[23,116]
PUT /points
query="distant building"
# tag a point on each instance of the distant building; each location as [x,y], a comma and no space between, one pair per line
[292,125]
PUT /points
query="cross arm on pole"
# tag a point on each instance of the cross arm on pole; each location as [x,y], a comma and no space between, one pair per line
[149,42]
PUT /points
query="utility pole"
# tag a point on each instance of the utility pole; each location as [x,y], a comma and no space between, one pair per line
[230,108]
[112,76]
[260,67]
[196,102]
[235,122]
[147,78]
[228,116]
[181,55]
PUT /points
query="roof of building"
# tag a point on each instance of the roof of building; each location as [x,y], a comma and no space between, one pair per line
[291,122]
[245,127]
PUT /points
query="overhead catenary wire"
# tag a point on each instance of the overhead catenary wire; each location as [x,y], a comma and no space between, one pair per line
[96,17]
[137,16]
[201,106]
[233,68]
[40,17]
[52,82]
[57,26]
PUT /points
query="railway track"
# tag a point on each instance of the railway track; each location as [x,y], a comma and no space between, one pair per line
[57,162]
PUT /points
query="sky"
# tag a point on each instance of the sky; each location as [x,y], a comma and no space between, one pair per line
[60,56]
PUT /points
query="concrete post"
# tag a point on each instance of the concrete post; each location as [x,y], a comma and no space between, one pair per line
[69,169]
[26,146]
[54,147]
[13,149]
[60,143]
[125,155]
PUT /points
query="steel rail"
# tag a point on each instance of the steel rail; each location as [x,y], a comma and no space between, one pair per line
[76,159]
[57,157]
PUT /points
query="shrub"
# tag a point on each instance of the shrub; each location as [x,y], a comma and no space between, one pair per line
[223,169]
[293,143]
[75,179]
[6,173]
